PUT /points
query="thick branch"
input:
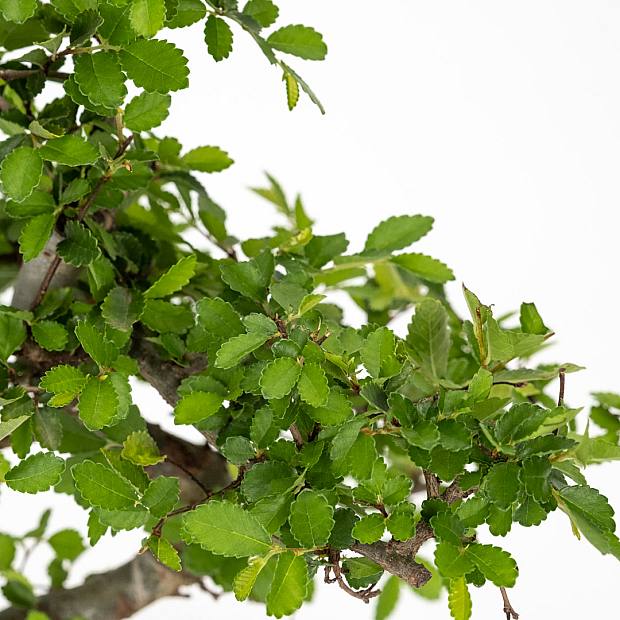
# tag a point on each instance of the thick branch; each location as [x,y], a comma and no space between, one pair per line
[117,594]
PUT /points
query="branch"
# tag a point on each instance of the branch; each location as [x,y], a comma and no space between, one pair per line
[113,595]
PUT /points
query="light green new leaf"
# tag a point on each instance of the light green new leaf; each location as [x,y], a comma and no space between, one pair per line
[103,487]
[147,16]
[311,519]
[100,79]
[379,354]
[196,407]
[140,449]
[165,553]
[146,111]
[298,40]
[289,586]
[20,172]
[174,279]
[313,387]
[207,159]
[218,37]
[425,267]
[398,232]
[18,10]
[156,66]
[429,337]
[235,349]
[79,247]
[459,600]
[36,473]
[50,335]
[279,377]
[69,150]
[35,235]
[122,308]
[246,578]
[98,403]
[8,426]
[227,529]
[65,382]
[494,563]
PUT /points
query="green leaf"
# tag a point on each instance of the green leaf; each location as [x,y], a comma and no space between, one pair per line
[531,321]
[398,232]
[156,66]
[12,335]
[98,403]
[72,8]
[596,450]
[50,335]
[140,449]
[103,487]
[494,563]
[246,578]
[36,473]
[268,479]
[100,79]
[65,382]
[196,407]
[69,150]
[502,484]
[161,496]
[219,318]
[234,350]
[100,349]
[147,16]
[337,410]
[121,308]
[313,387]
[79,247]
[18,10]
[8,426]
[20,172]
[38,203]
[587,505]
[289,586]
[298,40]
[227,529]
[116,27]
[429,337]
[388,599]
[35,235]
[249,278]
[459,601]
[146,111]
[174,279]
[379,354]
[207,159]
[452,561]
[218,37]
[425,267]
[279,378]
[311,519]
[369,529]
[165,553]
[67,544]
[263,12]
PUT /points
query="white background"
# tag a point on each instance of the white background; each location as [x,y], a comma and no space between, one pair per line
[499,119]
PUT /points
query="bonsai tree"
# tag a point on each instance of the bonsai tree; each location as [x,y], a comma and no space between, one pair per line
[331,453]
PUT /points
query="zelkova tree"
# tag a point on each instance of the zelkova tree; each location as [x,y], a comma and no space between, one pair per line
[332,453]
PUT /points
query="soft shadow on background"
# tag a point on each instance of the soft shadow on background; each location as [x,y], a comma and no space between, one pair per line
[500,120]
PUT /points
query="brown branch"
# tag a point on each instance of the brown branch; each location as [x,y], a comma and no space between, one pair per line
[113,595]
[334,566]
[9,75]
[432,484]
[508,608]
[562,375]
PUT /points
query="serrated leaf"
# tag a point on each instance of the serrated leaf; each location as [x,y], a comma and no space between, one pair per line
[234,350]
[20,172]
[452,561]
[100,79]
[140,449]
[379,354]
[50,335]
[147,16]
[459,600]
[35,235]
[207,159]
[146,111]
[425,267]
[121,308]
[103,487]
[18,11]
[289,586]
[165,553]
[8,426]
[263,12]
[246,578]
[65,382]
[369,529]
[196,407]
[429,337]
[36,473]
[398,232]
[161,496]
[156,66]
[218,37]
[279,378]
[311,519]
[12,335]
[313,387]
[38,203]
[298,40]
[227,529]
[174,279]
[98,403]
[502,484]
[494,563]
[69,150]
[98,347]
[79,247]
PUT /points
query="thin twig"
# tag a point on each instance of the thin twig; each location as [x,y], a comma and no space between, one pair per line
[562,375]
[508,608]
[187,472]
[334,566]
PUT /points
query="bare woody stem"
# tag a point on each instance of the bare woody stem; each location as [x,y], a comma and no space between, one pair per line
[511,614]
